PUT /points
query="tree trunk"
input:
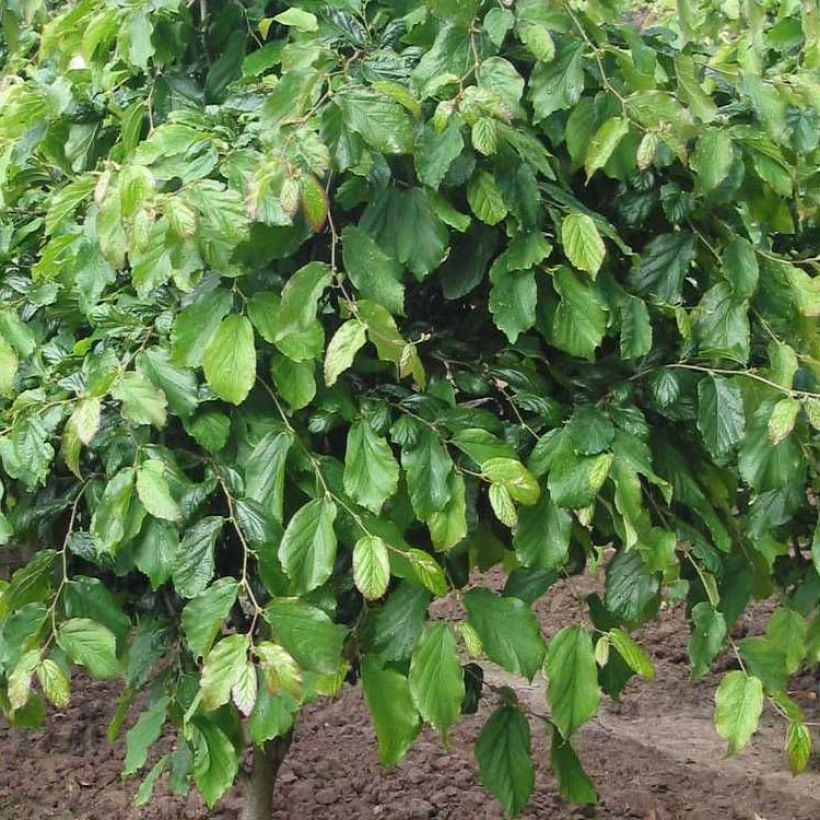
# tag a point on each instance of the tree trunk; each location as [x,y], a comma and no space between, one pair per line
[258,803]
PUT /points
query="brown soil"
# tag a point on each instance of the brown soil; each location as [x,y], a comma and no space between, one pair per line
[655,756]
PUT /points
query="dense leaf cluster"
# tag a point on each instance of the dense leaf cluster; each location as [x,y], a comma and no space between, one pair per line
[313,311]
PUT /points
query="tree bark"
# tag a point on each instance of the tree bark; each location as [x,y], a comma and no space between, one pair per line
[258,802]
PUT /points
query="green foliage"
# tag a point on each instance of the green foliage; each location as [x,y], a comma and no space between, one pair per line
[313,312]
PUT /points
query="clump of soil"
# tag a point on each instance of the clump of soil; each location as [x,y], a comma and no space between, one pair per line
[655,756]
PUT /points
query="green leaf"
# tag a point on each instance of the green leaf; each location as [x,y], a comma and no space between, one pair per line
[407,227]
[787,630]
[216,761]
[298,19]
[371,472]
[782,420]
[630,587]
[177,383]
[497,22]
[504,759]
[798,747]
[740,268]
[436,678]
[448,528]
[542,536]
[723,325]
[573,679]
[575,481]
[308,548]
[699,101]
[142,403]
[579,321]
[382,123]
[485,198]
[265,471]
[300,299]
[91,645]
[196,324]
[538,41]
[221,670]
[307,633]
[374,274]
[558,84]
[636,659]
[512,300]
[663,266]
[195,557]
[54,683]
[154,492]
[503,505]
[515,477]
[765,466]
[738,705]
[435,152]
[8,368]
[156,550]
[371,567]
[230,360]
[397,625]
[721,420]
[707,637]
[202,617]
[712,158]
[582,243]
[65,202]
[508,630]
[294,381]
[603,145]
[395,719]
[146,789]
[342,349]
[428,467]
[573,783]
[109,524]
[143,735]
[484,136]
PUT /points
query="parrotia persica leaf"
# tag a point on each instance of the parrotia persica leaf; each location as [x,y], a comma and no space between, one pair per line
[738,704]
[504,762]
[436,678]
[428,466]
[573,679]
[203,616]
[573,783]
[395,718]
[708,634]
[721,419]
[508,630]
[230,360]
[371,567]
[215,761]
[635,657]
[221,669]
[144,734]
[307,633]
[91,645]
[308,548]
[194,566]
[374,274]
[798,747]
[154,492]
[604,143]
[371,472]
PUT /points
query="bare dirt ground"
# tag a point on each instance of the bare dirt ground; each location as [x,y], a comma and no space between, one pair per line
[654,757]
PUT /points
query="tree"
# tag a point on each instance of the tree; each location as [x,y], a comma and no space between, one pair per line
[311,311]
